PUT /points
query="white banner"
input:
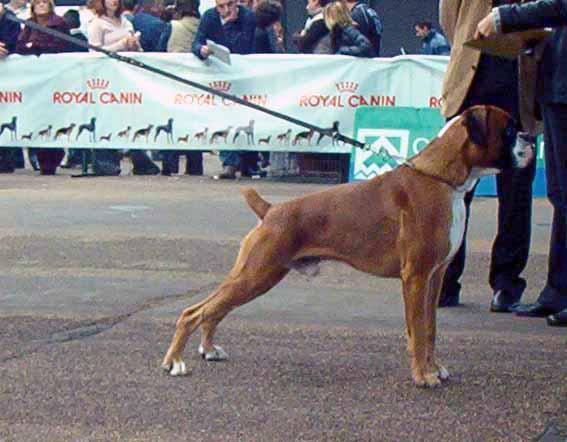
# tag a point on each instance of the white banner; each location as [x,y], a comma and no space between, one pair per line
[92,101]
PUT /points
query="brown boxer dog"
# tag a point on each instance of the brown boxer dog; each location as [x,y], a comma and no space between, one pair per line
[406,224]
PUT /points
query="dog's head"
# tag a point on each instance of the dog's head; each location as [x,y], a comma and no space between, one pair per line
[494,142]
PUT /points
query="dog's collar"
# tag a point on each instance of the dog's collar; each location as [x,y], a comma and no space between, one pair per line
[408,163]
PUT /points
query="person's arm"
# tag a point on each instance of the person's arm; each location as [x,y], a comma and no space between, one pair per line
[200,41]
[531,15]
[448,16]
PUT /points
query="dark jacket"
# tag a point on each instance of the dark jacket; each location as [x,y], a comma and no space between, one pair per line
[237,36]
[435,43]
[553,68]
[350,41]
[265,41]
[317,32]
[31,41]
[9,32]
[150,28]
[369,24]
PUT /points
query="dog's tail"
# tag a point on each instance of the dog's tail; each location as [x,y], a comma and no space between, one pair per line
[256,202]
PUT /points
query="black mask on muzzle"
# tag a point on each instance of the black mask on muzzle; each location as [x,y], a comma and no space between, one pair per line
[508,136]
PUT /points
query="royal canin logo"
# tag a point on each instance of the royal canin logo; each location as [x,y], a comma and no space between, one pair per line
[222,86]
[346,97]
[347,86]
[210,99]
[98,83]
[97,93]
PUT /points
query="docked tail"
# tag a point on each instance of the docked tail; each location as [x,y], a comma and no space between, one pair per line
[256,203]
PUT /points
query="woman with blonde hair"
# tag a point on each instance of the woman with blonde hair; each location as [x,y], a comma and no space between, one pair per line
[345,38]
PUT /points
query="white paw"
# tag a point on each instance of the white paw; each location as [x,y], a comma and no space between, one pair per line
[218,354]
[443,374]
[178,368]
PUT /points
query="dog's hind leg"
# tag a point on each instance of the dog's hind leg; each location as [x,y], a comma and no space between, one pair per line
[260,265]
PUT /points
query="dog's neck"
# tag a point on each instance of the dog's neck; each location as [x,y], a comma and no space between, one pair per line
[444,162]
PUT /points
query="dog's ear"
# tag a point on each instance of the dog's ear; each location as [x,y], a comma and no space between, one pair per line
[475,122]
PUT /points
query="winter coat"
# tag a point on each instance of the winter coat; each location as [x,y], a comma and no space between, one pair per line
[350,41]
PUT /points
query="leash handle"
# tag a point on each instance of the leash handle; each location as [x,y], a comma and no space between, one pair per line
[141,65]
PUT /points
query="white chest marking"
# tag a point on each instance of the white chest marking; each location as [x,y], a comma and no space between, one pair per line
[457,224]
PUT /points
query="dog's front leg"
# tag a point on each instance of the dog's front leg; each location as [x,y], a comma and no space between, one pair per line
[416,289]
[432,300]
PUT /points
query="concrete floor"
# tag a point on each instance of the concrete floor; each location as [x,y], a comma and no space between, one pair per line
[95,272]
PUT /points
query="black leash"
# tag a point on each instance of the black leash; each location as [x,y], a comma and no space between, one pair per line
[60,35]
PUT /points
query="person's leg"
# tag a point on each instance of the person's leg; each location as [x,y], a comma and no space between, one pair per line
[511,246]
[194,165]
[143,165]
[553,297]
[451,288]
[230,163]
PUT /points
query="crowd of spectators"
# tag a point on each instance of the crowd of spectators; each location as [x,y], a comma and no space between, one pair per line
[348,27]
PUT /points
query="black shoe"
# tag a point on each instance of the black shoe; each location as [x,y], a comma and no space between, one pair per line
[558,319]
[449,301]
[535,310]
[504,301]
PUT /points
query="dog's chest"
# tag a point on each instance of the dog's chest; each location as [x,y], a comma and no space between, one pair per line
[457,228]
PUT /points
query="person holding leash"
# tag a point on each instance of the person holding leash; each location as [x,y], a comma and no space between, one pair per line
[552,87]
[473,78]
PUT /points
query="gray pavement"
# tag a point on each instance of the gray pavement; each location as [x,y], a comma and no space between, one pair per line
[95,272]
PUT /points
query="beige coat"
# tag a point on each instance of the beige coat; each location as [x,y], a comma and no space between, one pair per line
[459,19]
[182,34]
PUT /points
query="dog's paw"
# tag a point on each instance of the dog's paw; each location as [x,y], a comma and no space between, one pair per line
[176,368]
[443,373]
[426,380]
[217,354]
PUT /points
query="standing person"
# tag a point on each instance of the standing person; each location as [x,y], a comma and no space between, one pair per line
[232,26]
[552,88]
[268,13]
[114,32]
[9,32]
[31,41]
[178,37]
[314,38]
[472,79]
[367,22]
[346,39]
[432,41]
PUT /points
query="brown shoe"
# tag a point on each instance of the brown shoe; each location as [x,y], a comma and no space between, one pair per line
[228,173]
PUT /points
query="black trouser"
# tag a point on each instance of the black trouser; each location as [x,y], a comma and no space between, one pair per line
[510,250]
[555,136]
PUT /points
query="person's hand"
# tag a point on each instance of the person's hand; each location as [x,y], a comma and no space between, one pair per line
[485,28]
[232,17]
[2,10]
[205,51]
[3,51]
[131,42]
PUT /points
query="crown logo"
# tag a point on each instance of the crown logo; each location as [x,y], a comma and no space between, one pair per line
[97,83]
[347,86]
[223,86]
